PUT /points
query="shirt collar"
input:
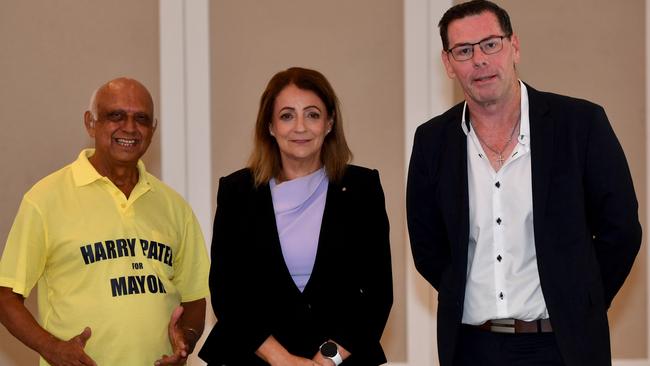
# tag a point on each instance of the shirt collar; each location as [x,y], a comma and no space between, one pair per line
[524,127]
[83,172]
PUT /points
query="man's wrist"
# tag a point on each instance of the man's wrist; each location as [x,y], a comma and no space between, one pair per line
[191,336]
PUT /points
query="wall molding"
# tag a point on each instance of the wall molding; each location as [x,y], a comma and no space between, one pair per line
[185,120]
[185,104]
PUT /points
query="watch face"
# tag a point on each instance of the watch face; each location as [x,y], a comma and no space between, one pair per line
[329,349]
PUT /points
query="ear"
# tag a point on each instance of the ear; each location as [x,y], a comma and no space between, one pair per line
[514,41]
[89,122]
[444,56]
[154,126]
[271,130]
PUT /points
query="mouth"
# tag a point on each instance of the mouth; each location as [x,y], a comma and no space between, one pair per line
[127,143]
[301,141]
[484,79]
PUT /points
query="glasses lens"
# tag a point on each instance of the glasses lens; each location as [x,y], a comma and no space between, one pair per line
[462,53]
[492,45]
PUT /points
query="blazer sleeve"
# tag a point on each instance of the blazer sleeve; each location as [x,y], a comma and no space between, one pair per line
[233,290]
[611,205]
[429,243]
[362,322]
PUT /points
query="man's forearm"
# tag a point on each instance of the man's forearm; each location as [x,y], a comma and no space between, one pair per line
[193,320]
[21,323]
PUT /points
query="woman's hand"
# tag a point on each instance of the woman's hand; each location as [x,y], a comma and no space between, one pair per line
[292,360]
[275,354]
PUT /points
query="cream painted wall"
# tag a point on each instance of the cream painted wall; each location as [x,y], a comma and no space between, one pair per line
[59,51]
[54,54]
[358,46]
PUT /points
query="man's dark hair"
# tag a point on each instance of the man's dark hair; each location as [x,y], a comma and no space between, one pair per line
[474,7]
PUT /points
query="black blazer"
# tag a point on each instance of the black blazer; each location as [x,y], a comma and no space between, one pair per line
[587,231]
[348,296]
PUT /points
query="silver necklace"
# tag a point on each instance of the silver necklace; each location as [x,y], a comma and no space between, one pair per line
[500,158]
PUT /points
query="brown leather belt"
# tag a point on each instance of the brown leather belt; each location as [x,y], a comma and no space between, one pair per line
[516,326]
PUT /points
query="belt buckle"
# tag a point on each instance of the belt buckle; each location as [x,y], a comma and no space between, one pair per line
[502,326]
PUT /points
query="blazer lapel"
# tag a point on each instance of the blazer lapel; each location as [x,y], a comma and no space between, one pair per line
[460,193]
[267,232]
[541,150]
[328,232]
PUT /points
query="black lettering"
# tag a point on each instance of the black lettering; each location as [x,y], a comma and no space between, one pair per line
[100,253]
[133,286]
[152,284]
[87,254]
[131,243]
[118,286]
[145,245]
[153,250]
[168,255]
[161,286]
[122,248]
[110,249]
[141,281]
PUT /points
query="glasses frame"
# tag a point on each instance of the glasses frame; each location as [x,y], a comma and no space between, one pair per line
[480,45]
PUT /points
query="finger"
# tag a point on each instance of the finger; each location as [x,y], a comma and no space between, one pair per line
[176,315]
[170,361]
[83,337]
[87,361]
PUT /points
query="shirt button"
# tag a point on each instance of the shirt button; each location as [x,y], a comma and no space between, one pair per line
[499,258]
[123,205]
[497,184]
[501,295]
[498,221]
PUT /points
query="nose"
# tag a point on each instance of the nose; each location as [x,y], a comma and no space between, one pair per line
[128,124]
[478,57]
[300,124]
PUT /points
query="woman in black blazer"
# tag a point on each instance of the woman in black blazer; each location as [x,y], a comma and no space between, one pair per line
[301,271]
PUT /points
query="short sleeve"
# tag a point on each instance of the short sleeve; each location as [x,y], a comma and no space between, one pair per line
[191,266]
[25,252]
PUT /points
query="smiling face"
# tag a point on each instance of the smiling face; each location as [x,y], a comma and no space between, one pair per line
[123,124]
[485,79]
[299,125]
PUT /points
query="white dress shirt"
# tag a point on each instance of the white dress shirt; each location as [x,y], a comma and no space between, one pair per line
[502,277]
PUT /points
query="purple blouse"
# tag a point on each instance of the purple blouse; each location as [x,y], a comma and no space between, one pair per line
[299,206]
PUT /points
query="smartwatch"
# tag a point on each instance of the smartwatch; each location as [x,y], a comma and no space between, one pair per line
[330,350]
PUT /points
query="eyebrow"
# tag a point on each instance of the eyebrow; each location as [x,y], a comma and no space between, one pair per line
[307,107]
[473,43]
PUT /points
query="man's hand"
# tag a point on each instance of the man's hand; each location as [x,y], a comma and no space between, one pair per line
[70,352]
[177,338]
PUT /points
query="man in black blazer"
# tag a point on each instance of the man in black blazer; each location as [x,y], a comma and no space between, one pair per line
[521,209]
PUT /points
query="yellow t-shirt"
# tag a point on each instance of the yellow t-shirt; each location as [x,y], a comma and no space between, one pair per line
[119,266]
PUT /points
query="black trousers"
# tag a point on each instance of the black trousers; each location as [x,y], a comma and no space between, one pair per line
[478,347]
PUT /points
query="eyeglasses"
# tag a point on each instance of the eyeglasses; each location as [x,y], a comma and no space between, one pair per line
[488,46]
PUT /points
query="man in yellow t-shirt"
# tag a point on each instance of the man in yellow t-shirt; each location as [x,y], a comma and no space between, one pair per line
[118,256]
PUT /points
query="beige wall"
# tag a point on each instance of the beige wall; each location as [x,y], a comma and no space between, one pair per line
[54,54]
[358,46]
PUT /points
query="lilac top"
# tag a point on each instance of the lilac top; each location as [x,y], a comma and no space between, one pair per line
[299,206]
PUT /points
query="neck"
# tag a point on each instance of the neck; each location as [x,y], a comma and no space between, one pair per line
[296,169]
[499,113]
[125,177]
